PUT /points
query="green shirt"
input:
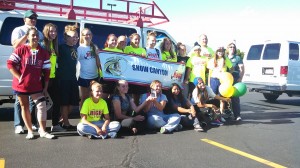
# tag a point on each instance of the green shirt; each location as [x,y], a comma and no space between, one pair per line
[135,51]
[166,56]
[93,110]
[53,58]
[198,67]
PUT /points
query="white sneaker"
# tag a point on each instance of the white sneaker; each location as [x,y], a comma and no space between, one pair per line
[57,128]
[19,129]
[112,135]
[46,135]
[238,118]
[34,128]
[30,136]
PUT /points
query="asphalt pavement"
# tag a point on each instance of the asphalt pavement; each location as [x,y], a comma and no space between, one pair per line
[268,136]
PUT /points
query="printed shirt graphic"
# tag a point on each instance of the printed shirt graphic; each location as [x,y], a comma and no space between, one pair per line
[92,110]
[152,54]
[88,66]
[31,64]
[198,67]
[135,51]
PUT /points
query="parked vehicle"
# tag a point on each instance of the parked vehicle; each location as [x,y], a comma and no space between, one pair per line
[273,68]
[11,16]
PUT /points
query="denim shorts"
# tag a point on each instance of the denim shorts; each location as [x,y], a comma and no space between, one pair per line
[214,85]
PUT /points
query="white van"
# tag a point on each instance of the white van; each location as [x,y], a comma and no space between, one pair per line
[273,68]
[9,19]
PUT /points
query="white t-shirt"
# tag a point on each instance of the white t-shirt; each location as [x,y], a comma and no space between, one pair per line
[20,31]
[153,54]
[88,66]
[195,99]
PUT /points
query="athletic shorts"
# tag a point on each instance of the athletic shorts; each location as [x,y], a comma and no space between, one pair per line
[86,82]
[25,93]
[68,92]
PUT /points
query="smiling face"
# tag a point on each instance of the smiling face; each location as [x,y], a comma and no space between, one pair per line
[96,92]
[167,45]
[33,36]
[157,87]
[201,84]
[86,36]
[112,41]
[151,41]
[122,87]
[175,90]
[135,41]
[30,21]
[121,43]
[52,33]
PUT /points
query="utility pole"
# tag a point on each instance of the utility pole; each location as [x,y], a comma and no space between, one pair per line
[111,5]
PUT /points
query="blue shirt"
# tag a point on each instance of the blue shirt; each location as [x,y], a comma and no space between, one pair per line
[153,109]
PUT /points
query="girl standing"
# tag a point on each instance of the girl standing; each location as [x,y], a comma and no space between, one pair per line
[66,75]
[50,43]
[92,124]
[28,64]
[89,63]
[111,43]
[216,66]
[134,47]
[167,51]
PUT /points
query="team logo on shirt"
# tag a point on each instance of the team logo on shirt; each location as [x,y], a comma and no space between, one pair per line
[115,66]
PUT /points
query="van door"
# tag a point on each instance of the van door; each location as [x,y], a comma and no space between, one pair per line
[293,74]
[251,62]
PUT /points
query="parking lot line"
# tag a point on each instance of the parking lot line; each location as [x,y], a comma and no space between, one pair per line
[258,159]
[2,163]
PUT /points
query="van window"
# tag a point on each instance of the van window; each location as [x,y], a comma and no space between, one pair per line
[271,51]
[293,51]
[159,38]
[255,52]
[100,32]
[10,23]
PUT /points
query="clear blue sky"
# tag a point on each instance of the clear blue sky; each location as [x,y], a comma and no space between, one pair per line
[246,21]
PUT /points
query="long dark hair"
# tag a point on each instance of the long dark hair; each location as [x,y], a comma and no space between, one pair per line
[202,95]
[172,96]
[47,41]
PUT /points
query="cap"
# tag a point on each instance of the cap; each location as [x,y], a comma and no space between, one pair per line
[29,13]
[196,80]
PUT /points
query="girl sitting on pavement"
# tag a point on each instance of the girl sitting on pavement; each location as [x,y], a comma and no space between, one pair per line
[179,104]
[155,104]
[92,111]
[202,94]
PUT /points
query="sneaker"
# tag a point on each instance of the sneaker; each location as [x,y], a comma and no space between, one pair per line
[179,127]
[238,118]
[46,135]
[91,137]
[198,128]
[19,130]
[163,130]
[216,122]
[30,136]
[222,120]
[57,128]
[112,135]
[34,127]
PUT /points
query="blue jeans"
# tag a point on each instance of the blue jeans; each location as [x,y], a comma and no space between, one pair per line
[167,121]
[18,121]
[84,129]
[236,107]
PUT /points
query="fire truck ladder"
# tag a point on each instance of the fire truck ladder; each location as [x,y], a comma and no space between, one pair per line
[130,12]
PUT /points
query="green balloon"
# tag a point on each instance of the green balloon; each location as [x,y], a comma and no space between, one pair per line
[240,89]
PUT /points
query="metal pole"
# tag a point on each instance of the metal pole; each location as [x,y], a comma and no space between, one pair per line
[111,5]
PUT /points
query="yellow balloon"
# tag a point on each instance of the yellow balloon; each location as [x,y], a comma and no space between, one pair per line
[226,77]
[226,90]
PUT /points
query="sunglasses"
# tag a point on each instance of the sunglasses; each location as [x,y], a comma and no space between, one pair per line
[231,47]
[33,17]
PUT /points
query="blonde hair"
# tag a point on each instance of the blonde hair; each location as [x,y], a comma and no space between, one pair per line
[118,84]
[95,85]
[153,83]
[92,45]
[151,34]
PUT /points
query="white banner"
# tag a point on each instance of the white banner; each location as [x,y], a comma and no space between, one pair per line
[140,70]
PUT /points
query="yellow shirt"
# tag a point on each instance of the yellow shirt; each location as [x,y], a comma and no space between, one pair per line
[93,110]
[53,59]
[166,56]
[198,67]
[135,51]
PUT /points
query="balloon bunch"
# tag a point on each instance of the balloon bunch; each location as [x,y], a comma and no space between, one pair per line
[227,90]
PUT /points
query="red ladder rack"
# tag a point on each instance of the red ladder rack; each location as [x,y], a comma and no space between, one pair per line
[148,13]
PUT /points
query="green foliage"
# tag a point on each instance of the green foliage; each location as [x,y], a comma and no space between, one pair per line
[240,53]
